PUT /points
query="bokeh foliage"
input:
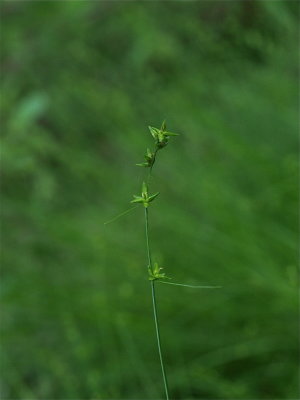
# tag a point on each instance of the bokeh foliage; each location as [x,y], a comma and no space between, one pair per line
[80,83]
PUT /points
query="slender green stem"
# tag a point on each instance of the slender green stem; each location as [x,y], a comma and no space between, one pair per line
[147,238]
[154,159]
[158,339]
[155,308]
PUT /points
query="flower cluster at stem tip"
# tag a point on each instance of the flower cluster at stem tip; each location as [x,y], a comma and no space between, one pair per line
[161,138]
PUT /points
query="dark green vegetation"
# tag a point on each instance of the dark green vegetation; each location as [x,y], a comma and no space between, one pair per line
[80,82]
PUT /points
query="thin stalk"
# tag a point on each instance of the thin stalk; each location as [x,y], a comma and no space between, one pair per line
[155,308]
[158,339]
[147,238]
[154,159]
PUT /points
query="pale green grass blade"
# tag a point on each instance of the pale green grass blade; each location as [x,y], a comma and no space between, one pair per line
[120,215]
[190,286]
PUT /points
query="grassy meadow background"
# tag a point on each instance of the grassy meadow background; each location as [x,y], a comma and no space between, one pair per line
[81,81]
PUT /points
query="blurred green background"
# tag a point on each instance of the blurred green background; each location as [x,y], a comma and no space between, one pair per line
[80,83]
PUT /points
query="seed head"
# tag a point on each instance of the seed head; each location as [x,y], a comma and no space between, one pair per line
[161,136]
[145,199]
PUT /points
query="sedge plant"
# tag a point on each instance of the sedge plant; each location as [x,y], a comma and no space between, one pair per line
[155,273]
